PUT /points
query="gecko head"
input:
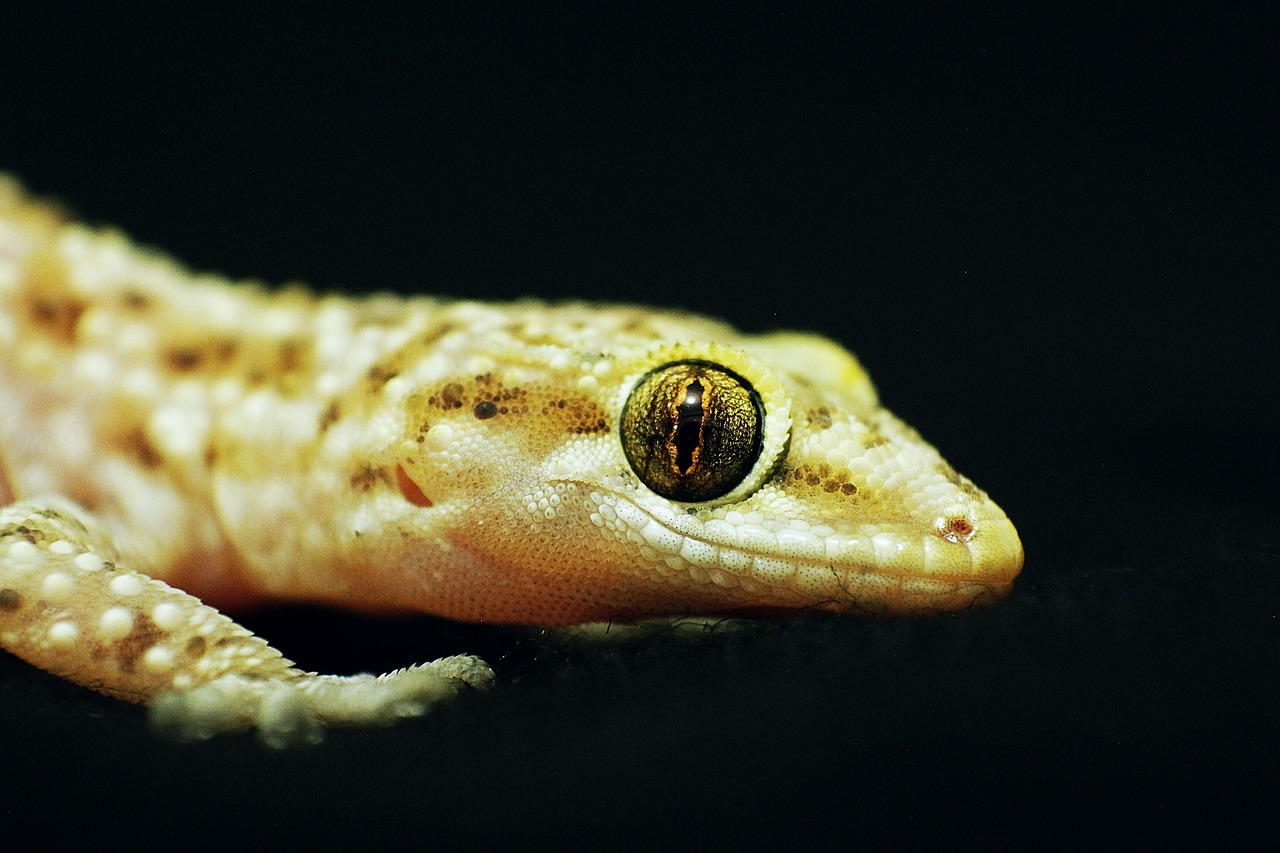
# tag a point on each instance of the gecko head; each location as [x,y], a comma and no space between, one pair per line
[822,499]
[752,474]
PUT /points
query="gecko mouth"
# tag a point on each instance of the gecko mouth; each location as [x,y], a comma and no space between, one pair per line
[878,568]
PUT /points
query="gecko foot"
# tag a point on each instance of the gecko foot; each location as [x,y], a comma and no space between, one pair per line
[295,711]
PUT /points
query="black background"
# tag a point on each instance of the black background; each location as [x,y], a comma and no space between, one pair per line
[1051,237]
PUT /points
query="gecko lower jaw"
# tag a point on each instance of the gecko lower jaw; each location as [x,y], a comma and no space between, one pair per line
[907,572]
[951,575]
[883,568]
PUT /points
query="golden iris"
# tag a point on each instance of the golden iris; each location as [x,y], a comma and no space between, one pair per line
[692,430]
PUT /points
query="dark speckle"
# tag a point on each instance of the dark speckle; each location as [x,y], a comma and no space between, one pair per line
[365,477]
[136,301]
[486,410]
[290,355]
[183,359]
[329,416]
[437,333]
[226,350]
[820,418]
[451,396]
[136,444]
[144,635]
[381,374]
[58,316]
[10,599]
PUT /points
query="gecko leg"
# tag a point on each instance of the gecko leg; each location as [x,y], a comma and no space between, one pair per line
[69,606]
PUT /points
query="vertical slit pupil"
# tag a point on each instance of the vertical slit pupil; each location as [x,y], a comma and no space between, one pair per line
[688,434]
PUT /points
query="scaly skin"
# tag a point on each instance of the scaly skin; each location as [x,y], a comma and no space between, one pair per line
[166,436]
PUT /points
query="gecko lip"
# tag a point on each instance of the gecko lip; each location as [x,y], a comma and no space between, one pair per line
[876,568]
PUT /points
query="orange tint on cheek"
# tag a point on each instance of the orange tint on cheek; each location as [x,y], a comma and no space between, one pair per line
[410,490]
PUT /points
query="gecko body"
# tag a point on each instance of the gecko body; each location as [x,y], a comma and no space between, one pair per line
[173,443]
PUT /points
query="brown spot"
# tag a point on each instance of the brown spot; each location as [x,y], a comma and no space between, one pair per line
[430,338]
[144,635]
[823,477]
[183,359]
[226,350]
[410,490]
[381,374]
[195,646]
[290,356]
[50,302]
[579,415]
[366,477]
[135,300]
[820,418]
[21,531]
[451,396]
[57,316]
[10,599]
[872,438]
[134,443]
[633,324]
[329,416]
[485,396]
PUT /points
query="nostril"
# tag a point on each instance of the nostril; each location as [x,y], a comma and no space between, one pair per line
[957,529]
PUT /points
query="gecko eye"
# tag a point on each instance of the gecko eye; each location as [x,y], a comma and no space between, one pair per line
[692,430]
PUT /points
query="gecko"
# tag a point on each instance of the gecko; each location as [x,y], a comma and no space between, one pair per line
[176,446]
